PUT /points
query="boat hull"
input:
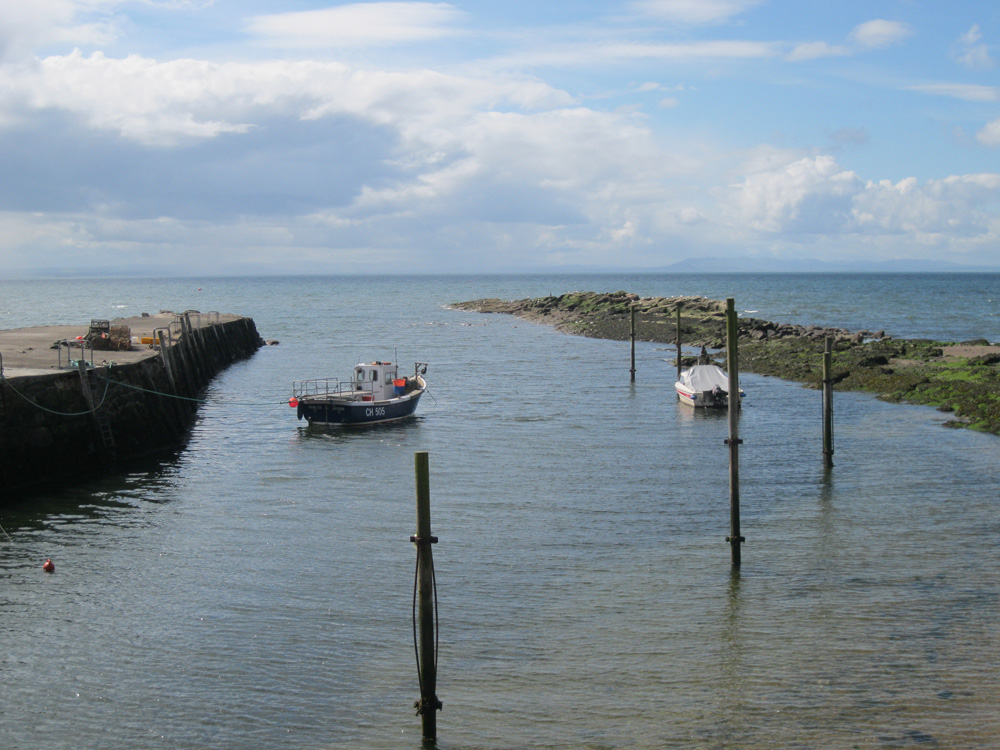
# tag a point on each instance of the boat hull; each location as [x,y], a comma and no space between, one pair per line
[703,399]
[338,411]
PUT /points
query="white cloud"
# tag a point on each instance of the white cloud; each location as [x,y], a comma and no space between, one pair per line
[963,205]
[358,24]
[810,195]
[694,11]
[967,91]
[168,102]
[721,49]
[816,50]
[972,52]
[815,196]
[880,33]
[990,134]
[24,26]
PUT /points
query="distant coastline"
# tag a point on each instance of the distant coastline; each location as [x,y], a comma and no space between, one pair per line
[714,265]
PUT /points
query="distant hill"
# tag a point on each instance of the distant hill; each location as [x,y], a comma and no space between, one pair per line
[773,265]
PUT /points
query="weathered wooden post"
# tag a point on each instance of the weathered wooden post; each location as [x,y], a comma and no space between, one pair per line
[828,405]
[733,441]
[425,605]
[633,344]
[679,306]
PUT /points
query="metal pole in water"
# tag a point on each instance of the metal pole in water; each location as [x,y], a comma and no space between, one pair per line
[633,345]
[425,605]
[733,441]
[828,404]
[679,306]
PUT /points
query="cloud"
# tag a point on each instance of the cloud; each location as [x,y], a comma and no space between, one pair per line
[815,196]
[810,195]
[358,24]
[880,33]
[694,11]
[870,35]
[961,205]
[972,52]
[966,91]
[816,50]
[990,134]
[343,156]
[589,55]
[27,25]
[167,103]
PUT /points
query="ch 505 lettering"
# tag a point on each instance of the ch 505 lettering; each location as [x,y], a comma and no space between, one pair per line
[378,411]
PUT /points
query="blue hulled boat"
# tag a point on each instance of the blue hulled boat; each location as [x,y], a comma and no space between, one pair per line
[375,393]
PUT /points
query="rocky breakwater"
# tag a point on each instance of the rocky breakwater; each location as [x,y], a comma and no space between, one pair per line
[961,378]
[67,412]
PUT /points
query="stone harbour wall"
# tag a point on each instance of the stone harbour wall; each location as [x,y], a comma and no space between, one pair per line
[70,423]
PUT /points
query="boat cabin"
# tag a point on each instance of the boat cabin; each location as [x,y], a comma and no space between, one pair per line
[377,378]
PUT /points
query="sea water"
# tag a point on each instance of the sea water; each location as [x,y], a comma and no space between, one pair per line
[254,589]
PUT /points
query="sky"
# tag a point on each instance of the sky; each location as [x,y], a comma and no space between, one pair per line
[251,137]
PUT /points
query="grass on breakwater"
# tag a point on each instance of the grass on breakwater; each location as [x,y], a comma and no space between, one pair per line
[962,378]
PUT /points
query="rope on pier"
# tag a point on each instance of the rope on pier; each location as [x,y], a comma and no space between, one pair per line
[5,379]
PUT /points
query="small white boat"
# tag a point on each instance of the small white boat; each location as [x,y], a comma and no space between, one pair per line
[705,385]
[375,393]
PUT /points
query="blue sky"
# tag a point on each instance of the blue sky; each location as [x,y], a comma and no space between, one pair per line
[304,137]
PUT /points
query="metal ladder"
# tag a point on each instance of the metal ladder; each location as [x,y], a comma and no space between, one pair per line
[100,415]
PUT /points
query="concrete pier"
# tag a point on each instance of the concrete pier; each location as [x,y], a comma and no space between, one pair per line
[70,411]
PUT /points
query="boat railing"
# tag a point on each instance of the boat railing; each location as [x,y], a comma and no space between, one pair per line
[330,387]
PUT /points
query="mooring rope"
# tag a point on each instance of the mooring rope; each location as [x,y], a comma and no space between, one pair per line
[195,400]
[437,631]
[53,411]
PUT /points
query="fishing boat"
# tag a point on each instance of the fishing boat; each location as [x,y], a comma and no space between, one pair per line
[374,393]
[705,385]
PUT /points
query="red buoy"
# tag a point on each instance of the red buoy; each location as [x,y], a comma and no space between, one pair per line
[49,566]
[293,402]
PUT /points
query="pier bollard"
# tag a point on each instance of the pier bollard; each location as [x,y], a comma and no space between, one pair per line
[425,634]
[733,441]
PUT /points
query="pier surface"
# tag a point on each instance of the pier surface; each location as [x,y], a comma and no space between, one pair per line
[32,351]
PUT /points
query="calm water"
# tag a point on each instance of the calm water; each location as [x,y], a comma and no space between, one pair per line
[253,591]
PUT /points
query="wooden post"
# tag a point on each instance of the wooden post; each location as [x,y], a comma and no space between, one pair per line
[633,345]
[733,441]
[828,405]
[679,306]
[425,605]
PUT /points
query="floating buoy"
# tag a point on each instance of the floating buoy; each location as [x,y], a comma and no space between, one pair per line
[293,402]
[49,566]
